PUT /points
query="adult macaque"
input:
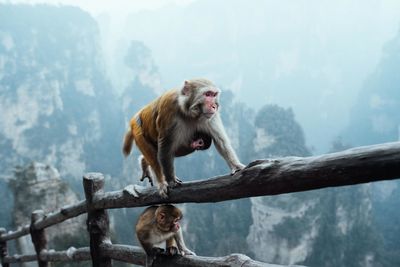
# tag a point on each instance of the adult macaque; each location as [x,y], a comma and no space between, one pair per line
[170,122]
[158,224]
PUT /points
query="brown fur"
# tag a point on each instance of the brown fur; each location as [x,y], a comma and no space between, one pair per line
[164,128]
[155,224]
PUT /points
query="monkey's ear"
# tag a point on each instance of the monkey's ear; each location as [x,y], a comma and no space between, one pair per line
[160,217]
[186,88]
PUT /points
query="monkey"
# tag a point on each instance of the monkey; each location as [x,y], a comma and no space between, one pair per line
[157,224]
[162,127]
[200,141]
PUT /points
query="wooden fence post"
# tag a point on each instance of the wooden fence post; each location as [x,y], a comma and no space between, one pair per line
[3,249]
[38,237]
[97,220]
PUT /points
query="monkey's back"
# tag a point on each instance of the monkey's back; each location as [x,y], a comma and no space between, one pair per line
[144,222]
[157,116]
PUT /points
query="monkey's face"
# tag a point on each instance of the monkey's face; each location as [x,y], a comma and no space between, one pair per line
[175,225]
[168,223]
[168,218]
[210,102]
[201,141]
[199,98]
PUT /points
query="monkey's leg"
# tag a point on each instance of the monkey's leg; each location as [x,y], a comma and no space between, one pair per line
[171,247]
[146,172]
[150,155]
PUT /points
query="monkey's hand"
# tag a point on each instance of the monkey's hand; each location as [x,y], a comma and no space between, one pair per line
[186,251]
[163,189]
[237,167]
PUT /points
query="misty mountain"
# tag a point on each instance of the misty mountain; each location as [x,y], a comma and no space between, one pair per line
[375,116]
[375,119]
[55,104]
[58,106]
[283,53]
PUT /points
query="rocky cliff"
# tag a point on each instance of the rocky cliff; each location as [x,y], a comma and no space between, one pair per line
[38,186]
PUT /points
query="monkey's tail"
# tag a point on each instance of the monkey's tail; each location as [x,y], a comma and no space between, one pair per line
[128,142]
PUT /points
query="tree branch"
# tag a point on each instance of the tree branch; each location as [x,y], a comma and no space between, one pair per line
[272,177]
[136,256]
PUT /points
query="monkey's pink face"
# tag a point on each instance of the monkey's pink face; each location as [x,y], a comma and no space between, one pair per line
[210,103]
[175,225]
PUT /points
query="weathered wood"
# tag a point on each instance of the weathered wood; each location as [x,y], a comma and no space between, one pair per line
[136,256]
[38,237]
[262,177]
[233,260]
[21,231]
[272,177]
[3,249]
[16,258]
[124,253]
[65,213]
[97,220]
[72,254]
[50,219]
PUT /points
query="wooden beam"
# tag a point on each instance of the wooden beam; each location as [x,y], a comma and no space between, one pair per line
[98,223]
[135,255]
[38,237]
[272,177]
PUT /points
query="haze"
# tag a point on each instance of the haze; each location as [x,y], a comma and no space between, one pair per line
[313,56]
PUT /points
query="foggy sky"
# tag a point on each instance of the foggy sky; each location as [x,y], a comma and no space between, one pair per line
[311,55]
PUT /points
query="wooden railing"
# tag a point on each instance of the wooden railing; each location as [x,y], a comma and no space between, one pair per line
[260,178]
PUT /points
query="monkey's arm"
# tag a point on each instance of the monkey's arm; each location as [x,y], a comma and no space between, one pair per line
[181,244]
[224,146]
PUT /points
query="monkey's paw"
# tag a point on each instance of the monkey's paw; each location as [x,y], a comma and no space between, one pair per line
[172,251]
[163,189]
[237,167]
[149,178]
[178,181]
[187,251]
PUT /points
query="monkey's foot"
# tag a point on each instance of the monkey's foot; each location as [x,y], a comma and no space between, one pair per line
[144,176]
[174,183]
[178,181]
[163,189]
[172,251]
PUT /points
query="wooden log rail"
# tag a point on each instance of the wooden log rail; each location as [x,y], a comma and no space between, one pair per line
[259,178]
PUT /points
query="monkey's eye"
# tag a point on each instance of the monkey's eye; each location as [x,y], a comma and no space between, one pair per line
[209,94]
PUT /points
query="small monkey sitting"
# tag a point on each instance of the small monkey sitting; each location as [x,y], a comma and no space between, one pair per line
[158,224]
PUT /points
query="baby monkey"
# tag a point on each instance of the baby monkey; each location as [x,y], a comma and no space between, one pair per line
[200,141]
[158,224]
